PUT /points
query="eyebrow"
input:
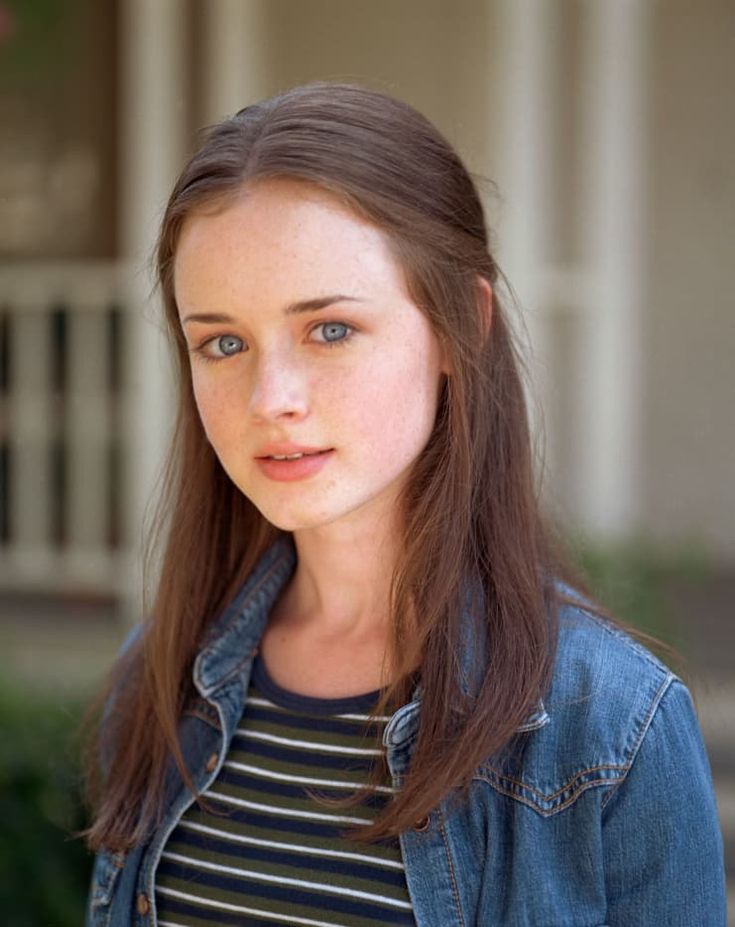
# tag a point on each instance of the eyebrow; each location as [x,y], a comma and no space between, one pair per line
[302,305]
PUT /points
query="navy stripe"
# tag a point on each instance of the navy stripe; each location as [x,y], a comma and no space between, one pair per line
[290,894]
[241,851]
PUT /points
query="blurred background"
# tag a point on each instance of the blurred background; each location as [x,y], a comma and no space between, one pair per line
[602,136]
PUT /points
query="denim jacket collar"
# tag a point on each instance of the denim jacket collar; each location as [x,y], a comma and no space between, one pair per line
[235,635]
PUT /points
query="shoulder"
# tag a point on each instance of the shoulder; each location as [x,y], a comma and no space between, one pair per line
[605,692]
[602,675]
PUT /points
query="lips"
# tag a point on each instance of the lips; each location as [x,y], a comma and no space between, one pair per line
[288,465]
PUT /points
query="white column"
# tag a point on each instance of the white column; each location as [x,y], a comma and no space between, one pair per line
[527,41]
[153,113]
[613,214]
[235,47]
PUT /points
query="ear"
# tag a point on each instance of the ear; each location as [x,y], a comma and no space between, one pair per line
[485,308]
[485,304]
[445,365]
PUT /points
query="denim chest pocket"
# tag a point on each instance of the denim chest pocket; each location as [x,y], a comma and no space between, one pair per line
[548,798]
[105,873]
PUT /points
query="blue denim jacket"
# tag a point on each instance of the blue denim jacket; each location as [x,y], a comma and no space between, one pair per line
[603,815]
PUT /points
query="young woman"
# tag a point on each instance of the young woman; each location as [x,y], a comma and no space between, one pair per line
[365,694]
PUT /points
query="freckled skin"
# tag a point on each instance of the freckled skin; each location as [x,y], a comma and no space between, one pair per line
[373,398]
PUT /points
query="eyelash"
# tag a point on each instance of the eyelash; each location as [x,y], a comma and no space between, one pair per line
[200,349]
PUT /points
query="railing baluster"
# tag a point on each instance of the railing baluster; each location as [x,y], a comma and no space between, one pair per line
[87,435]
[31,424]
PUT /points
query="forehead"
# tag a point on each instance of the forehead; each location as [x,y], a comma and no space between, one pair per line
[282,235]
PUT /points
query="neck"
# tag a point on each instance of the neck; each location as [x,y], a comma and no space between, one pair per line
[341,587]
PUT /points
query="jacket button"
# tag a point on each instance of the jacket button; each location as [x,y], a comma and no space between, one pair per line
[423,824]
[143,905]
[212,763]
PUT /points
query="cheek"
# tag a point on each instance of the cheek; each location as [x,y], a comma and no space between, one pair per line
[215,402]
[398,408]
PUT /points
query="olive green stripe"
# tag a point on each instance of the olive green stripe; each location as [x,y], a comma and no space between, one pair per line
[186,920]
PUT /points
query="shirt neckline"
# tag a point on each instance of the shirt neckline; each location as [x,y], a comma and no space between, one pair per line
[362,703]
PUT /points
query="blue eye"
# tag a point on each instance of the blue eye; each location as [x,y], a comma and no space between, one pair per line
[228,344]
[333,331]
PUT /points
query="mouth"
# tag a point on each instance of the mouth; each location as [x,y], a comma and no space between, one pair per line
[284,451]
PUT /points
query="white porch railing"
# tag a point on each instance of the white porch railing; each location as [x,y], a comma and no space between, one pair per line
[62,394]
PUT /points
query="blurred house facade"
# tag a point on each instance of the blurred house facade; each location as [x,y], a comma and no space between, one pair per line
[606,125]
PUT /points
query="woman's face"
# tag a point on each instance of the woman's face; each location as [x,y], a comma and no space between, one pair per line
[303,339]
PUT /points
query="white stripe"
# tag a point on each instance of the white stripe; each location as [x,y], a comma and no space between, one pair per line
[284,880]
[169,924]
[306,780]
[266,703]
[292,847]
[288,812]
[308,744]
[261,702]
[241,909]
[351,717]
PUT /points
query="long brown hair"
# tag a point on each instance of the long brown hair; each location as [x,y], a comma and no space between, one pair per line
[471,514]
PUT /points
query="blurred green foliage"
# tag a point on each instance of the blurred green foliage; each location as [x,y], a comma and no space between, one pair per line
[44,871]
[636,580]
[35,40]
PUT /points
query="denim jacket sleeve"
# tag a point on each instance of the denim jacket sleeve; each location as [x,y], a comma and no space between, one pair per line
[661,839]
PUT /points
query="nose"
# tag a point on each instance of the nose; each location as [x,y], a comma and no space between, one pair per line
[278,390]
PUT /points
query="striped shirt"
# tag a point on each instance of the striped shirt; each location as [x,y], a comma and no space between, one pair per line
[265,852]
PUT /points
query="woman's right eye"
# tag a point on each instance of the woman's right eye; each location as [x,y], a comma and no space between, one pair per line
[222,346]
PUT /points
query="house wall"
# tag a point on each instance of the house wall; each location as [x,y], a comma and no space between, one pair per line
[454,61]
[689,423]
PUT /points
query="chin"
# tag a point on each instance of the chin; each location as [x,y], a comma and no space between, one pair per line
[304,517]
[296,520]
